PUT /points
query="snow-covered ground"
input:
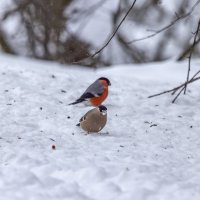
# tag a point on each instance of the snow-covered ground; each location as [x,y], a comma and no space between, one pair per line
[149,148]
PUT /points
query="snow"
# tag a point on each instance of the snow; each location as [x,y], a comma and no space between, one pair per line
[149,148]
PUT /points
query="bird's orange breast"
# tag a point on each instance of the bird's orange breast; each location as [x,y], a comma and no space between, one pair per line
[96,101]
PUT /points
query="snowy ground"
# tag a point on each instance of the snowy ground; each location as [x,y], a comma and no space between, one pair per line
[149,148]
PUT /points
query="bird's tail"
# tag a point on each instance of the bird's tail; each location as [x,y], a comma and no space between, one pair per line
[77,101]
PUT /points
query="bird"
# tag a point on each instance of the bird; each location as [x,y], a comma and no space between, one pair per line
[94,120]
[96,93]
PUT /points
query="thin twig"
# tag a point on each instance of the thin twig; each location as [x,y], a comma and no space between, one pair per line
[83,14]
[19,6]
[183,86]
[113,34]
[186,52]
[173,101]
[111,37]
[178,18]
[176,88]
[190,55]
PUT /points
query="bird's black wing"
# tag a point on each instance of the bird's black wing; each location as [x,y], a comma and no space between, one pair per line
[84,97]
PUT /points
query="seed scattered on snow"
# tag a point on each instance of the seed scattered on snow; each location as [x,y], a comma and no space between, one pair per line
[63,91]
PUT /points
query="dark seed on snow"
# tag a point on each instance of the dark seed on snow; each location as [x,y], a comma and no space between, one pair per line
[154,125]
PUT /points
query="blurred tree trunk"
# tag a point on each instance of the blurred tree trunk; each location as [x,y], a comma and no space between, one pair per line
[45,26]
[4,45]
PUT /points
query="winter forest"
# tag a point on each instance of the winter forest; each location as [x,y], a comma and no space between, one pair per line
[99,99]
[69,31]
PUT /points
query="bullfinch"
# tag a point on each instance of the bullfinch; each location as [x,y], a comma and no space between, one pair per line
[96,93]
[94,120]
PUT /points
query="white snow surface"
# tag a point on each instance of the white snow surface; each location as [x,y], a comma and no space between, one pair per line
[149,148]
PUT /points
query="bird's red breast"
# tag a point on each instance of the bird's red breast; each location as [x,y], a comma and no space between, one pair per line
[96,101]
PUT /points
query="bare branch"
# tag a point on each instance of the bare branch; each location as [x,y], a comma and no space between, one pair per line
[178,18]
[117,28]
[178,87]
[111,37]
[76,15]
[183,88]
[186,52]
[176,97]
[190,56]
[21,6]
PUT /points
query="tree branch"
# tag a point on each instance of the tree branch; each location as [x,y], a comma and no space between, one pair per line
[186,52]
[178,18]
[182,87]
[190,56]
[112,36]
[177,88]
[117,28]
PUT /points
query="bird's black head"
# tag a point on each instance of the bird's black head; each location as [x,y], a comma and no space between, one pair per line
[102,108]
[105,79]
